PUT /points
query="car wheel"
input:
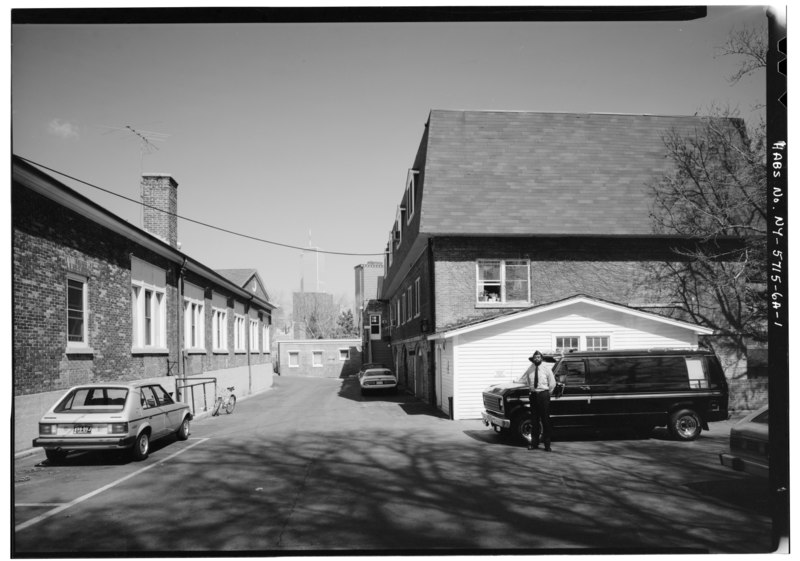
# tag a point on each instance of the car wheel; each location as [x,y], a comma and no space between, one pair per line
[142,447]
[183,430]
[685,425]
[55,456]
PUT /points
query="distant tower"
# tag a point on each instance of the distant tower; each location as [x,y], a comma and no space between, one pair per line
[312,265]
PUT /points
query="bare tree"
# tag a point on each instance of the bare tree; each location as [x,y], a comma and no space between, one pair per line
[751,45]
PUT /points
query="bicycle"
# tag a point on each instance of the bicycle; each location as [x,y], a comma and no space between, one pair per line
[227,403]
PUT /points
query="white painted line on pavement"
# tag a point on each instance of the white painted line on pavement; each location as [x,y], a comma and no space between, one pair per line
[87,496]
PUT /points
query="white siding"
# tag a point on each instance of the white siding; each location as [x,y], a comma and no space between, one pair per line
[446,372]
[499,353]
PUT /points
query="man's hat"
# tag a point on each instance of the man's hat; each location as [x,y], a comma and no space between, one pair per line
[530,358]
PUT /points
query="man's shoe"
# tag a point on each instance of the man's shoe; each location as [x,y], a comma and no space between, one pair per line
[547,449]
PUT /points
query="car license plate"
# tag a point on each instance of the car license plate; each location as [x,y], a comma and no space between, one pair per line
[83,429]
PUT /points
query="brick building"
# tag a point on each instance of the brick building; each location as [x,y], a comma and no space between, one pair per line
[97,299]
[504,212]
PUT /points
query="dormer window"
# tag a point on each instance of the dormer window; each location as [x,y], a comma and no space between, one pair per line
[411,194]
[398,227]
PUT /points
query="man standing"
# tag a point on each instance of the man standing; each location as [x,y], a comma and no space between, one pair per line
[541,381]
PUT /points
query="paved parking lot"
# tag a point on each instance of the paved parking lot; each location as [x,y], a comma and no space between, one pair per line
[311,465]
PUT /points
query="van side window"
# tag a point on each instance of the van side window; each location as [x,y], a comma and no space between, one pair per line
[638,373]
[572,373]
[612,374]
[662,373]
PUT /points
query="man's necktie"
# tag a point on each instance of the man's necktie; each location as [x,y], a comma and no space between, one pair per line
[536,377]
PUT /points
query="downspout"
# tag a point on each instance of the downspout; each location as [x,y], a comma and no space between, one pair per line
[249,338]
[181,367]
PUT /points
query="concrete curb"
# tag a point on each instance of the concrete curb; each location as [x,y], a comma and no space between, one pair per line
[202,415]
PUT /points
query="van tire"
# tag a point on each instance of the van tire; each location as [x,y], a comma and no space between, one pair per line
[685,425]
[522,425]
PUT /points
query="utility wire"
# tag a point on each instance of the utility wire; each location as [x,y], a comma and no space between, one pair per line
[316,250]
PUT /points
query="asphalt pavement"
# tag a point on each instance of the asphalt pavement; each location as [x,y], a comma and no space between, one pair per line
[312,466]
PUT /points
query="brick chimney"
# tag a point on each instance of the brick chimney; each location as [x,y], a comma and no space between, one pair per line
[160,196]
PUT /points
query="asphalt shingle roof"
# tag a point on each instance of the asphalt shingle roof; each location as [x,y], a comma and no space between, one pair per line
[520,173]
[237,276]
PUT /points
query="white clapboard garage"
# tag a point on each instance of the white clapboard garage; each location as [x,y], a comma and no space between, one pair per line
[471,358]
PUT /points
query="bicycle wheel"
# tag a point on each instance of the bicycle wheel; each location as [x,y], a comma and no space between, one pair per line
[217,405]
[231,404]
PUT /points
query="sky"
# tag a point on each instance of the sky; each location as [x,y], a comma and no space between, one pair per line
[302,133]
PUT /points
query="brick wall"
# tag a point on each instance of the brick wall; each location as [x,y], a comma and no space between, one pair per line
[48,243]
[609,269]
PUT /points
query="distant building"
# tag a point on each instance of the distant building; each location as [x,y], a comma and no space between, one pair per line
[314,314]
[369,278]
[319,358]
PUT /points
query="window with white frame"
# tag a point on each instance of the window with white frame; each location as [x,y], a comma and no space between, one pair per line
[253,335]
[265,342]
[77,312]
[316,359]
[194,331]
[410,310]
[416,297]
[294,359]
[397,313]
[344,354]
[403,308]
[503,281]
[597,343]
[194,326]
[239,333]
[149,306]
[567,343]
[219,326]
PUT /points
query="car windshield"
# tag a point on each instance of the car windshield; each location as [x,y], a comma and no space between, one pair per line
[93,400]
[374,373]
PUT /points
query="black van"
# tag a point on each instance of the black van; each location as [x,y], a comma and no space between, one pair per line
[642,389]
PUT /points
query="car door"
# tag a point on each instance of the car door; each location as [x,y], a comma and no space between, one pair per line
[173,411]
[153,412]
[569,407]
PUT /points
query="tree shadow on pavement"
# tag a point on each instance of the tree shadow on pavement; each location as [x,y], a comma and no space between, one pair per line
[324,489]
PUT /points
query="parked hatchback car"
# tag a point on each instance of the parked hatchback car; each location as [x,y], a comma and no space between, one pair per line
[749,445]
[111,417]
[377,379]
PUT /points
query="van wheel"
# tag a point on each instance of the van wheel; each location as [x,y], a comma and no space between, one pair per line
[522,426]
[685,425]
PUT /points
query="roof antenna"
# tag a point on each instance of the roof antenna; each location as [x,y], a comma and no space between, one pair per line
[146,146]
